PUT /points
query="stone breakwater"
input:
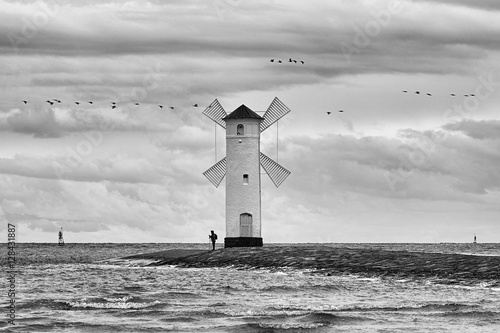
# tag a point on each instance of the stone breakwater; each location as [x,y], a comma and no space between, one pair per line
[328,260]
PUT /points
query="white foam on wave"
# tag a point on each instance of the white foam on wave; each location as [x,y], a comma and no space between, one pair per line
[479,254]
[117,300]
[121,303]
[290,326]
[127,262]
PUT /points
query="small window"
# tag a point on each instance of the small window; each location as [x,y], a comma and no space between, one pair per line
[245,179]
[240,130]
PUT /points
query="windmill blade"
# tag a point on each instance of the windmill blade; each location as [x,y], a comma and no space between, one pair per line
[274,112]
[216,112]
[276,172]
[216,172]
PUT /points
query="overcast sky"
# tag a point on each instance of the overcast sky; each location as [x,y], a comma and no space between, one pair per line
[393,167]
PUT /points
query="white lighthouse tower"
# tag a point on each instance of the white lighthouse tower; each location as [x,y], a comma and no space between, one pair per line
[242,167]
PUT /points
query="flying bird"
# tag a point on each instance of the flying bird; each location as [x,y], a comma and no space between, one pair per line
[417,92]
[405,91]
[452,94]
[295,61]
[90,102]
[302,62]
[25,102]
[160,106]
[428,94]
[57,100]
[172,107]
[472,95]
[341,110]
[279,61]
[113,107]
[50,102]
[328,112]
[466,95]
[77,103]
[113,102]
[195,105]
[272,60]
[290,60]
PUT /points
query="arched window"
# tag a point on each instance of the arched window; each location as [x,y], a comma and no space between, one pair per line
[240,130]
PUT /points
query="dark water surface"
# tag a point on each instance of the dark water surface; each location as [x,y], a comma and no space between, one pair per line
[76,288]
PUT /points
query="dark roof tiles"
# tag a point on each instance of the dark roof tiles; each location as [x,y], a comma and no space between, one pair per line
[242,112]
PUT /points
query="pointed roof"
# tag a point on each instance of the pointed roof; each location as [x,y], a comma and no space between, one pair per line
[242,112]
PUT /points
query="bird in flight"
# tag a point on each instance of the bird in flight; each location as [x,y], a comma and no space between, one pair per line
[57,100]
[328,112]
[428,94]
[279,61]
[136,103]
[405,91]
[417,92]
[472,95]
[452,94]
[90,102]
[77,103]
[466,95]
[341,110]
[272,60]
[195,105]
[50,102]
[25,102]
[113,103]
[172,107]
[302,62]
[113,106]
[160,106]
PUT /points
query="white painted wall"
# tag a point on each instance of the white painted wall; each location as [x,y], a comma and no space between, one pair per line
[242,158]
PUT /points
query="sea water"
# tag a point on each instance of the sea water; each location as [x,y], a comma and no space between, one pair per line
[81,288]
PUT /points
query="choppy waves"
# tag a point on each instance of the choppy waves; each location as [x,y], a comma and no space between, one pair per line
[106,297]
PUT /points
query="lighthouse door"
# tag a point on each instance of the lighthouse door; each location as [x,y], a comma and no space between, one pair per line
[246,225]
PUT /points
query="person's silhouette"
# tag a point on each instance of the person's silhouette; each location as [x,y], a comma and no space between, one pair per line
[213,238]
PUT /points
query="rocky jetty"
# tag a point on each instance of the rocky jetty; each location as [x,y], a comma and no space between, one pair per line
[334,261]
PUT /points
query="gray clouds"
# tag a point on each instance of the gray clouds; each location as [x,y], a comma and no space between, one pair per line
[389,162]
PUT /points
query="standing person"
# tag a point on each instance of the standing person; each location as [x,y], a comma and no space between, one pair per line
[213,238]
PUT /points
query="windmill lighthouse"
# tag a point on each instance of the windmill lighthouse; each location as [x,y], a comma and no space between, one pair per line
[242,168]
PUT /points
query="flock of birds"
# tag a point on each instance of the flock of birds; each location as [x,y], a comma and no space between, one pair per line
[329,112]
[417,92]
[279,61]
[429,94]
[113,104]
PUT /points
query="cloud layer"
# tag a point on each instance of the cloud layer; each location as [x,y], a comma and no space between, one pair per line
[394,166]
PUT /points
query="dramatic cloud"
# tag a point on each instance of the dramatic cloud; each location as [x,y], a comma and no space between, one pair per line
[477,129]
[414,151]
